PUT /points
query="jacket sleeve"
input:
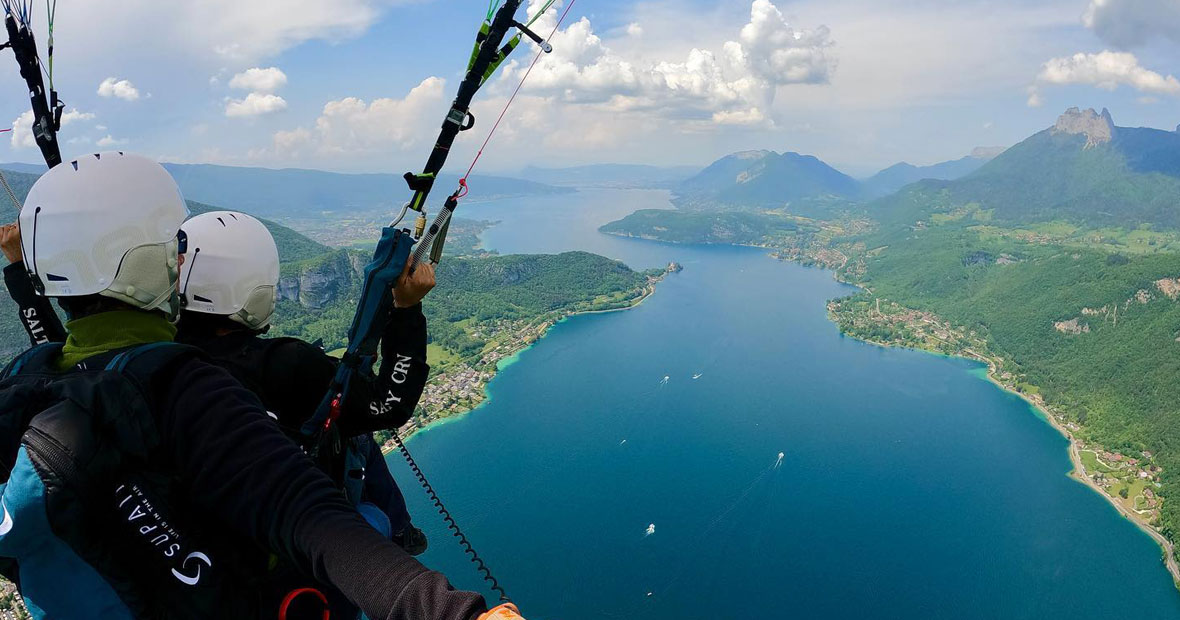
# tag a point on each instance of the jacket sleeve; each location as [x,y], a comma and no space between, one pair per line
[374,402]
[242,471]
[401,376]
[36,313]
[387,400]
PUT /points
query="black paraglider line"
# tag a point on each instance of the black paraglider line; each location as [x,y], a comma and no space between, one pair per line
[486,573]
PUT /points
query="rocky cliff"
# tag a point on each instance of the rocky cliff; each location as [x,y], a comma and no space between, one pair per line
[318,283]
[1097,127]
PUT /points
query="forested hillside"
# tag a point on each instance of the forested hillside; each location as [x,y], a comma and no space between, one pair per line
[741,228]
[474,294]
[1062,257]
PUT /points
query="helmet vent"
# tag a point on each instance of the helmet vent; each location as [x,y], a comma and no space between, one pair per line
[222,222]
[75,165]
[52,277]
[204,299]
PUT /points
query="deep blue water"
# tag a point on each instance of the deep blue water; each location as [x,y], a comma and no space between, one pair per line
[910,487]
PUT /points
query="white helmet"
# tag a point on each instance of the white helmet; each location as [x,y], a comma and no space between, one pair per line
[105,224]
[231,268]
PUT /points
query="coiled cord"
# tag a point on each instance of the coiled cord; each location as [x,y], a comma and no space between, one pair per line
[454,527]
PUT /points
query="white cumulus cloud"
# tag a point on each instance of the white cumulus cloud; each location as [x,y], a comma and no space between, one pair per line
[22,127]
[733,85]
[122,89]
[352,126]
[1107,70]
[1130,23]
[255,104]
[259,80]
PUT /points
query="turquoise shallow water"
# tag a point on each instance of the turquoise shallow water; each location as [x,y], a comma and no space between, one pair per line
[909,488]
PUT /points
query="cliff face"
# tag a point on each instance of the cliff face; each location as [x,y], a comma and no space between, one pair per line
[319,283]
[1097,127]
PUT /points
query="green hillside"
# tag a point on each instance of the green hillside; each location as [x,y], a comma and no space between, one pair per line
[474,295]
[1089,331]
[1094,176]
[1061,258]
[736,227]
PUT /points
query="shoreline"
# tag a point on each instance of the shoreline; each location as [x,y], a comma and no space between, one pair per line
[512,358]
[1078,471]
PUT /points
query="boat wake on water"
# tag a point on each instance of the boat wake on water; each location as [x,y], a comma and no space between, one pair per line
[765,480]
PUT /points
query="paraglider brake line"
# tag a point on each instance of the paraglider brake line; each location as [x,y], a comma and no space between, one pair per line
[486,573]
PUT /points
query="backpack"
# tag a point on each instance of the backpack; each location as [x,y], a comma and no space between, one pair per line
[244,357]
[92,526]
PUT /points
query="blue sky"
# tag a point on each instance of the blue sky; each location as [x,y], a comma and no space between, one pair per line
[361,85]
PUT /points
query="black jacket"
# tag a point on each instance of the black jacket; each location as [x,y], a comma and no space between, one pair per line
[254,483]
[245,473]
[292,376]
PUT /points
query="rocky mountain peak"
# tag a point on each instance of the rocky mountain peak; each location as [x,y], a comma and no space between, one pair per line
[1097,127]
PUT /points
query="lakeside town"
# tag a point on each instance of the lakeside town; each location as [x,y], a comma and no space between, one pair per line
[12,606]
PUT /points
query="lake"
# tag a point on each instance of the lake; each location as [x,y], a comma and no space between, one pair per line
[909,487]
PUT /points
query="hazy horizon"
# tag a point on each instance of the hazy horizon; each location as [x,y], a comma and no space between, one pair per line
[361,86]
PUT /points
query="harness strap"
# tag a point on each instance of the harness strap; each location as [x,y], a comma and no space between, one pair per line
[44,350]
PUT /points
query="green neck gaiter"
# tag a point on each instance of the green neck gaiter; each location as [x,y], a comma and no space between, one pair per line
[107,331]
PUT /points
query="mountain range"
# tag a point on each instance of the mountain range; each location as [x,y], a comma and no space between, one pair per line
[294,192]
[1084,170]
[805,184]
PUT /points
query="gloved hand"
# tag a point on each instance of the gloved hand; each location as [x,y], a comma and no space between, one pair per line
[507,611]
